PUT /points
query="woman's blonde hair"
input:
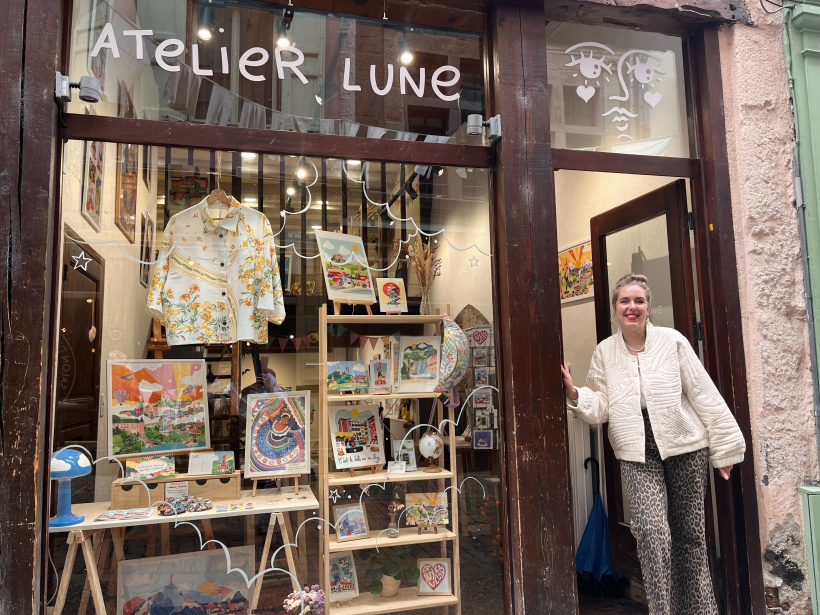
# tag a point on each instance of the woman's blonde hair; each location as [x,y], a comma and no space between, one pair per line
[628,280]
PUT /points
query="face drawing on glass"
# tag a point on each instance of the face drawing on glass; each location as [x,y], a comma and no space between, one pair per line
[634,65]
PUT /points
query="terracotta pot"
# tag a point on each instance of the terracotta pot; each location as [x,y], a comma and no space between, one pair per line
[390,586]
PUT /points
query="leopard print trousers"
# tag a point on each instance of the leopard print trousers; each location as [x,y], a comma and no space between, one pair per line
[671,544]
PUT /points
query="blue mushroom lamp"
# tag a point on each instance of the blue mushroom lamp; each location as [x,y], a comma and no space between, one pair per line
[67,464]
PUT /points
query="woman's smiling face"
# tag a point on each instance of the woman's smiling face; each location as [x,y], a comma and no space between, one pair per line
[632,308]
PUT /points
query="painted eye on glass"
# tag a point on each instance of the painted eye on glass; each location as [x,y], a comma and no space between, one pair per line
[643,71]
[590,67]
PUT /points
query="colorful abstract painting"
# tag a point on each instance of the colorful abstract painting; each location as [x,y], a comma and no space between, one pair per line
[278,434]
[575,272]
[156,407]
[186,583]
[344,262]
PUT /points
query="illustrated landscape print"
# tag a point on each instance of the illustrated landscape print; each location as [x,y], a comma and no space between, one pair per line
[426,508]
[346,375]
[186,584]
[156,407]
[419,368]
[575,272]
[344,262]
[357,437]
[278,434]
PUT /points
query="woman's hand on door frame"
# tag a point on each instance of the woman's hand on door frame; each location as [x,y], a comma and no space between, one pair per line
[572,392]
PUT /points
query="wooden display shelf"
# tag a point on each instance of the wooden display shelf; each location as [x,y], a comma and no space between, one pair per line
[407,536]
[383,319]
[408,599]
[344,478]
[374,397]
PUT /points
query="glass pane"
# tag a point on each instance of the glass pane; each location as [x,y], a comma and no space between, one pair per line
[118,201]
[616,90]
[259,65]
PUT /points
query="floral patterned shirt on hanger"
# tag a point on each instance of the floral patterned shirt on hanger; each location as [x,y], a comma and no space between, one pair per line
[217,281]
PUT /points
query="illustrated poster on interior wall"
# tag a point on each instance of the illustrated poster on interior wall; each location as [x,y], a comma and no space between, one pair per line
[575,272]
[419,368]
[357,436]
[392,296]
[344,263]
[156,406]
[278,434]
[186,583]
[93,174]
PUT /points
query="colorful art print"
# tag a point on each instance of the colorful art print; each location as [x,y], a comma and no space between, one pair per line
[482,376]
[482,399]
[187,583]
[125,514]
[480,357]
[125,199]
[346,375]
[93,175]
[483,439]
[278,434]
[434,576]
[100,14]
[392,296]
[222,508]
[351,521]
[345,267]
[344,584]
[156,406]
[575,272]
[405,450]
[187,187]
[145,468]
[357,437]
[483,419]
[419,367]
[146,250]
[380,376]
[426,509]
[480,337]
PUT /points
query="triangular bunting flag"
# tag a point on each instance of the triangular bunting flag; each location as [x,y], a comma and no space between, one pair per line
[373,342]
[386,342]
[297,341]
[363,341]
[283,341]
[340,329]
[307,341]
[331,329]
[353,337]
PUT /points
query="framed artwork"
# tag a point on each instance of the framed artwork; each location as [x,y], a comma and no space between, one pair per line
[147,165]
[434,576]
[483,439]
[483,419]
[419,367]
[277,434]
[198,581]
[100,14]
[343,582]
[482,376]
[380,380]
[426,508]
[146,250]
[188,188]
[357,436]
[146,468]
[351,521]
[345,267]
[405,451]
[575,272]
[346,375]
[125,198]
[480,357]
[480,337]
[392,297]
[156,407]
[93,175]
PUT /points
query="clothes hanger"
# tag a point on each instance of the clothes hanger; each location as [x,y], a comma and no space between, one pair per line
[218,195]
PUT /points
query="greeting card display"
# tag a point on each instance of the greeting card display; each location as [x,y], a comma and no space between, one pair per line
[380,380]
[426,508]
[480,337]
[156,406]
[346,376]
[351,521]
[356,432]
[482,376]
[434,575]
[146,468]
[278,434]
[404,450]
[419,368]
[392,297]
[480,357]
[344,585]
[215,462]
[347,275]
[482,398]
[483,439]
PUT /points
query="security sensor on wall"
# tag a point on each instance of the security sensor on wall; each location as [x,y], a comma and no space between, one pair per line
[89,89]
[476,124]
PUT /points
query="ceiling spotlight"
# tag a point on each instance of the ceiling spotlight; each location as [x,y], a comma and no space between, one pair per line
[291,191]
[354,163]
[438,171]
[283,29]
[302,169]
[205,32]
[405,55]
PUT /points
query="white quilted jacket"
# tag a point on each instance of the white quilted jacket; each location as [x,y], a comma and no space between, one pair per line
[685,409]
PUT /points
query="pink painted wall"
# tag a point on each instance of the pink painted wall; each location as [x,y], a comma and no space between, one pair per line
[775,330]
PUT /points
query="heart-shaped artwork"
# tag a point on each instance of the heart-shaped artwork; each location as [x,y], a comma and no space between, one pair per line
[585,92]
[653,98]
[480,336]
[433,574]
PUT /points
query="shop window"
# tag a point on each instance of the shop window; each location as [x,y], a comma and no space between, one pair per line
[190,377]
[270,67]
[617,90]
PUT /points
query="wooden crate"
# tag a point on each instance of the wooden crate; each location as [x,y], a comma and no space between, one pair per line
[134,495]
[211,486]
[221,487]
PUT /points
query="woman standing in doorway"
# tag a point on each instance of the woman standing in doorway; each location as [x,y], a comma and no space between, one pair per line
[667,421]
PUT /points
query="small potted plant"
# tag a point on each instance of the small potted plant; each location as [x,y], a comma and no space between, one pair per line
[310,601]
[387,567]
